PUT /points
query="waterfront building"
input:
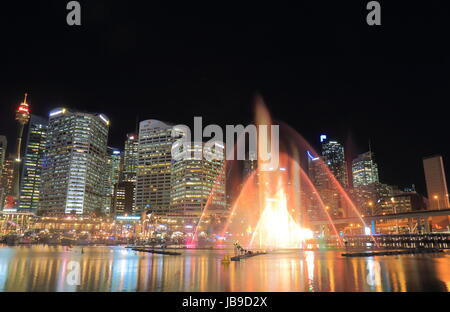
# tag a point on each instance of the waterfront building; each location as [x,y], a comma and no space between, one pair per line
[198,183]
[32,164]
[405,202]
[436,182]
[74,163]
[154,166]
[367,197]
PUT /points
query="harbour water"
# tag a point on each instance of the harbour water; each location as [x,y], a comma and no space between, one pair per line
[56,268]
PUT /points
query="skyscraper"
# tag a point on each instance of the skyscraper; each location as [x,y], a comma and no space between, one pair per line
[364,170]
[316,172]
[113,171]
[154,166]
[6,180]
[436,182]
[130,158]
[123,198]
[3,146]
[32,164]
[116,164]
[74,162]
[197,183]
[333,154]
[330,196]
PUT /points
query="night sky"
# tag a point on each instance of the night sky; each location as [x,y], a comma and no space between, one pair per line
[319,67]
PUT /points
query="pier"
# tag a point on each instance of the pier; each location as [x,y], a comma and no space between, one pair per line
[399,241]
[393,253]
[161,252]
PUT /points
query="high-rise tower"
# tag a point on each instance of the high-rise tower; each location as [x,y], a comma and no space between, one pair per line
[130,158]
[197,181]
[73,167]
[154,166]
[32,164]
[333,153]
[364,170]
[22,118]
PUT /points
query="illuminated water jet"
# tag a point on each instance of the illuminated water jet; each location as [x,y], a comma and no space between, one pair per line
[272,209]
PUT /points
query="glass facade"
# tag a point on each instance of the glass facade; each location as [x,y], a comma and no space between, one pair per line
[113,171]
[74,163]
[130,158]
[197,184]
[154,166]
[364,170]
[32,164]
[334,157]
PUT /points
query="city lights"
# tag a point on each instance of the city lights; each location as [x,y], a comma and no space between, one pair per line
[254,149]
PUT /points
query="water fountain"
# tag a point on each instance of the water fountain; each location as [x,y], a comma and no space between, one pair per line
[273,208]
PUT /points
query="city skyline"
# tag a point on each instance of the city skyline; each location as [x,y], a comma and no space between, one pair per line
[212,147]
[126,67]
[92,177]
[321,141]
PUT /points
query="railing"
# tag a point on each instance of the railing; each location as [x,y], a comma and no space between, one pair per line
[399,241]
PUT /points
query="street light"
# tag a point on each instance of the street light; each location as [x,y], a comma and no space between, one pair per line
[437,199]
[370,203]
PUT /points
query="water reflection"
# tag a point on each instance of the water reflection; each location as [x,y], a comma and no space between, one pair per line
[44,268]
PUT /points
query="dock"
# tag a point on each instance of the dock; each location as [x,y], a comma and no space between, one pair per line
[392,252]
[161,252]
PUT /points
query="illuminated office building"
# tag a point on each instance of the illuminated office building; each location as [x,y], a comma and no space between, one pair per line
[367,197]
[123,198]
[331,198]
[334,157]
[115,156]
[364,170]
[405,202]
[316,172]
[6,180]
[154,166]
[73,168]
[436,182]
[195,181]
[32,164]
[113,171]
[130,158]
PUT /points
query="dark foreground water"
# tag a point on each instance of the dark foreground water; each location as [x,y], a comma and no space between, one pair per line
[45,268]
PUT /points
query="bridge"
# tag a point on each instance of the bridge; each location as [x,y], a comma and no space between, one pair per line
[416,219]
